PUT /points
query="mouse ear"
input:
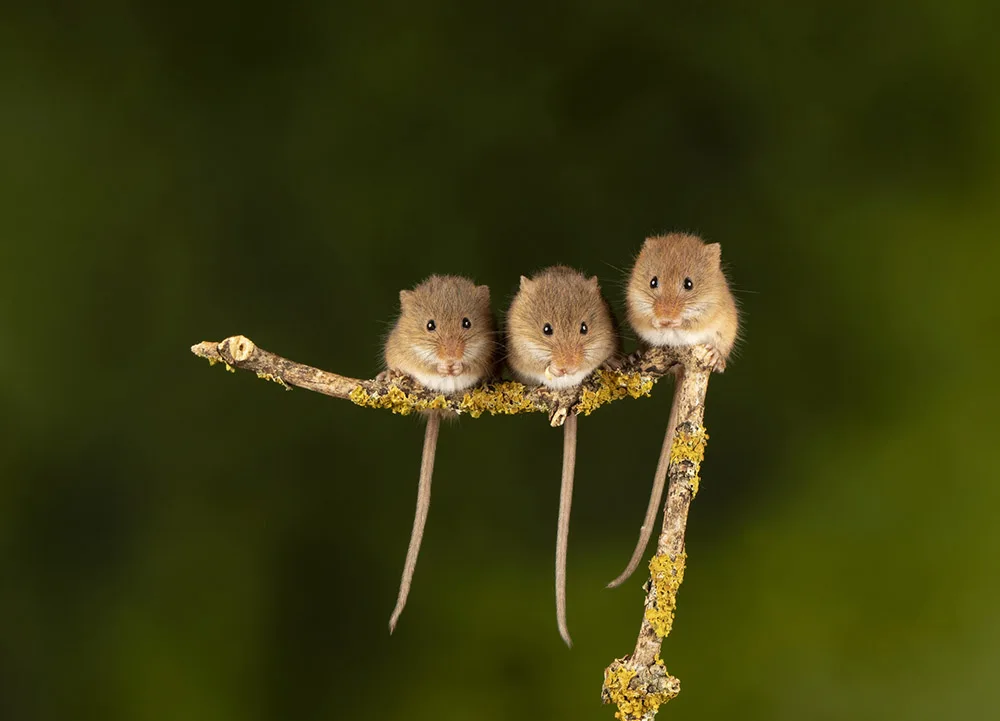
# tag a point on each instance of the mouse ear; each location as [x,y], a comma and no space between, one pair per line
[593,281]
[525,282]
[714,251]
[483,293]
[404,297]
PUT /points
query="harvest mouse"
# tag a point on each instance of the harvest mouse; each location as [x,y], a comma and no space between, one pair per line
[559,330]
[444,338]
[678,296]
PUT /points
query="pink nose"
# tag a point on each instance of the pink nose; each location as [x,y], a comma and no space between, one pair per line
[661,322]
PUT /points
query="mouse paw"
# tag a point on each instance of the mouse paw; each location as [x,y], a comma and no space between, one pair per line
[715,359]
[613,363]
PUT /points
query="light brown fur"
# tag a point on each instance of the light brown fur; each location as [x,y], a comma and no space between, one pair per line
[565,299]
[672,315]
[449,359]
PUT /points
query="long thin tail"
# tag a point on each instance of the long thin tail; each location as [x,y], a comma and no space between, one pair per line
[562,535]
[420,517]
[659,481]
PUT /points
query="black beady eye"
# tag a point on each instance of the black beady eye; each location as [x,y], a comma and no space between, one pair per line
[431,325]
[688,284]
[466,323]
[583,328]
[654,283]
[547,329]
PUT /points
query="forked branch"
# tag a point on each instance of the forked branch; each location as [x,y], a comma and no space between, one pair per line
[638,683]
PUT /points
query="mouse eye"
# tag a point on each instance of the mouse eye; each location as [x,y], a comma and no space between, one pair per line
[466,323]
[654,283]
[583,329]
[688,284]
[431,325]
[547,329]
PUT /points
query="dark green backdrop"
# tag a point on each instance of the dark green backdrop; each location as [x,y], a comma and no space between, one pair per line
[180,543]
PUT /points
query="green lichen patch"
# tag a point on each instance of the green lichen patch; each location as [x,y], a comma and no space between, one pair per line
[666,575]
[612,386]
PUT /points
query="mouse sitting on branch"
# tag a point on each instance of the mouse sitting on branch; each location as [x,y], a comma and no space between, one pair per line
[445,339]
[678,296]
[559,331]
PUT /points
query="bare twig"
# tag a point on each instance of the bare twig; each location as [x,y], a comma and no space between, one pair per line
[634,377]
[639,683]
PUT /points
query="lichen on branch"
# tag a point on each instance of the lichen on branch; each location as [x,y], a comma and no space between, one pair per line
[633,378]
[639,683]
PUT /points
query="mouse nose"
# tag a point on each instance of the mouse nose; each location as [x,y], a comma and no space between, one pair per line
[666,314]
[565,362]
[660,322]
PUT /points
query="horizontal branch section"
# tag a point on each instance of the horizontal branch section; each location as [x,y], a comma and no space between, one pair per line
[632,378]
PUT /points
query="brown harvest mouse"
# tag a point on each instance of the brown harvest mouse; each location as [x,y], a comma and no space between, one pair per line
[559,330]
[678,296]
[445,339]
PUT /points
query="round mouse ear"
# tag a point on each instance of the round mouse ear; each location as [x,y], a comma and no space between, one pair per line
[404,297]
[714,251]
[483,293]
[525,282]
[594,282]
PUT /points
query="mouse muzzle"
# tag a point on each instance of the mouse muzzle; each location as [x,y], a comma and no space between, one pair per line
[563,364]
[666,314]
[450,356]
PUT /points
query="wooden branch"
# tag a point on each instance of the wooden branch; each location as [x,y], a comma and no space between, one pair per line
[401,394]
[639,683]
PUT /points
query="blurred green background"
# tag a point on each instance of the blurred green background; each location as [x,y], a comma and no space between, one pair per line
[180,543]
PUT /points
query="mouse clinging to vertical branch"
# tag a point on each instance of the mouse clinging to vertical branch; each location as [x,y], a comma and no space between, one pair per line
[559,330]
[678,296]
[445,339]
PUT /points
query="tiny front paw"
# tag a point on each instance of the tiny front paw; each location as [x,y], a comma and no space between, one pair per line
[715,360]
[613,363]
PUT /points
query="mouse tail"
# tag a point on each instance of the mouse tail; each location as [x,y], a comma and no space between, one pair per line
[562,533]
[419,517]
[656,496]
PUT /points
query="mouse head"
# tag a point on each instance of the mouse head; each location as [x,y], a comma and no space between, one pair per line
[676,280]
[560,328]
[444,336]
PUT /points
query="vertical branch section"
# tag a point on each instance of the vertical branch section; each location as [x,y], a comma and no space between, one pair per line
[639,684]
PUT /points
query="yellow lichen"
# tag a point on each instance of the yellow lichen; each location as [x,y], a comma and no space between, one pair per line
[396,400]
[230,368]
[690,447]
[613,385]
[666,575]
[503,398]
[274,379]
[634,703]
